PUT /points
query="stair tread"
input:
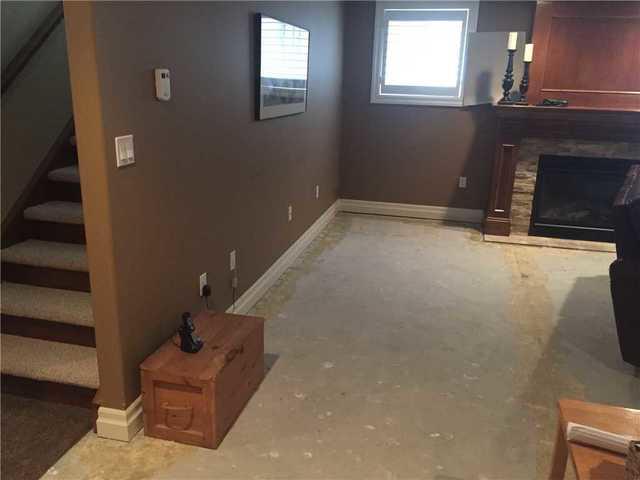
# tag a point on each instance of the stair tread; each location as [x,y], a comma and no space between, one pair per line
[39,253]
[69,174]
[53,304]
[50,361]
[57,212]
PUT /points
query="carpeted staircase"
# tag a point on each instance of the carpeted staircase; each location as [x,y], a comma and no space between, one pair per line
[48,341]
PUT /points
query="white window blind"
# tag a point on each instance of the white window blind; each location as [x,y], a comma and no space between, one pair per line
[423,53]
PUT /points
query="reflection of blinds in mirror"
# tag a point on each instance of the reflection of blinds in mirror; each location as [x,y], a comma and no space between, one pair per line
[283,50]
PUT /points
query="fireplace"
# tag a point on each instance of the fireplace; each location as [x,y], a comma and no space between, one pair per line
[602,140]
[574,195]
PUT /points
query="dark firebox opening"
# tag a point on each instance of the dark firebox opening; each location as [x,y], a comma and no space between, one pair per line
[574,197]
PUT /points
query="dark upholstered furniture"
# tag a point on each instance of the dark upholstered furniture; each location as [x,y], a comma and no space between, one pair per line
[625,270]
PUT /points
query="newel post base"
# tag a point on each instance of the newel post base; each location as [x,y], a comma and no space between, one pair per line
[497,226]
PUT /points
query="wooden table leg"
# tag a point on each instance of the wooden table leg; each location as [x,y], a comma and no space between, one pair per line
[560,454]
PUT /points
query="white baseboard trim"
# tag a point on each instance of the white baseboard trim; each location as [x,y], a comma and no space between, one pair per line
[117,424]
[256,291]
[124,424]
[430,212]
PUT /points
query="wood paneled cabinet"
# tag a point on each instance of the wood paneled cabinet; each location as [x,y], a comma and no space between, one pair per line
[587,53]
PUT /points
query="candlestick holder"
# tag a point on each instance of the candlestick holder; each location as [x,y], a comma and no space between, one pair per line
[507,81]
[524,85]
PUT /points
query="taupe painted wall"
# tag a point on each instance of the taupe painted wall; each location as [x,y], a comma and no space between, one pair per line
[207,178]
[35,109]
[415,154]
[18,22]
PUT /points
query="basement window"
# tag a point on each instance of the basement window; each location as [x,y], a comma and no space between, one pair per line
[419,52]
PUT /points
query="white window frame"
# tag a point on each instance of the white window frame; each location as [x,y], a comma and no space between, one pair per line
[379,52]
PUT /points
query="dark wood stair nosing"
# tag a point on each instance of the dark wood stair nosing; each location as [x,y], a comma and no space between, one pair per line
[48,330]
[56,232]
[49,391]
[63,191]
[46,277]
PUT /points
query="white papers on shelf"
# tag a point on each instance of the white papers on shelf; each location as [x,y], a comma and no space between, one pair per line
[598,438]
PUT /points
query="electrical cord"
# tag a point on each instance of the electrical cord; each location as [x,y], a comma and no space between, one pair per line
[234,290]
[233,300]
[206,293]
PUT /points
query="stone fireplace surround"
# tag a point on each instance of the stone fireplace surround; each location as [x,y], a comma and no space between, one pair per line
[526,132]
[527,168]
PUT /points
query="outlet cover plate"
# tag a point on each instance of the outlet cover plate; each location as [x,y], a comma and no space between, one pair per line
[203,281]
[232,260]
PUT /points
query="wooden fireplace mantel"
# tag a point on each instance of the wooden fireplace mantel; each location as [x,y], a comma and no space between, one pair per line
[517,122]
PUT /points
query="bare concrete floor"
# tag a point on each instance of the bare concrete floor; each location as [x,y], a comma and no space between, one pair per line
[406,349]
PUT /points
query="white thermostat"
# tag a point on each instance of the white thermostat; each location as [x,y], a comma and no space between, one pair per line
[163,84]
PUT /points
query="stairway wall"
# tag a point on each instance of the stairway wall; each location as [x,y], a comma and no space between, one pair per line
[18,21]
[35,109]
[208,178]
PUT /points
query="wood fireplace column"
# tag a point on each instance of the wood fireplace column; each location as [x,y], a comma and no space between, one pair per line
[498,217]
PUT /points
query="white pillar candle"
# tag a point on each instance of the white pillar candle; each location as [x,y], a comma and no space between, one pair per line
[528,52]
[513,41]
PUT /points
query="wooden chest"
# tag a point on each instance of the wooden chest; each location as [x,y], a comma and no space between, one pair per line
[196,398]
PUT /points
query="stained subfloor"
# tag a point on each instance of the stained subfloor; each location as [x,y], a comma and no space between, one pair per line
[406,349]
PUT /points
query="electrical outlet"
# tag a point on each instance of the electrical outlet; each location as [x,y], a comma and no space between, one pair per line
[232,260]
[203,282]
[462,182]
[317,191]
[290,212]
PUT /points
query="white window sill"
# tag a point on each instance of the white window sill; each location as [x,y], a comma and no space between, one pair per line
[432,102]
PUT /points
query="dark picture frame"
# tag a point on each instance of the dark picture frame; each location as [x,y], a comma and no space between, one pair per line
[282,67]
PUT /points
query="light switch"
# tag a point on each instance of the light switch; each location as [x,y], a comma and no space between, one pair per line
[124,151]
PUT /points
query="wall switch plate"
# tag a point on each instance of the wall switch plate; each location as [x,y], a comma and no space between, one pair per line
[124,151]
[462,182]
[317,191]
[203,281]
[290,213]
[232,260]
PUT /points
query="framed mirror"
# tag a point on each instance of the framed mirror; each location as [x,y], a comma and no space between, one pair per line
[282,68]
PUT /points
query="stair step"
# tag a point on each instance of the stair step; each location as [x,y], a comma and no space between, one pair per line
[69,174]
[64,191]
[55,232]
[52,304]
[56,212]
[49,361]
[39,253]
[47,330]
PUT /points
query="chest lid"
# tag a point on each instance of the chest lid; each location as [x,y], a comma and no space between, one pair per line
[224,336]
